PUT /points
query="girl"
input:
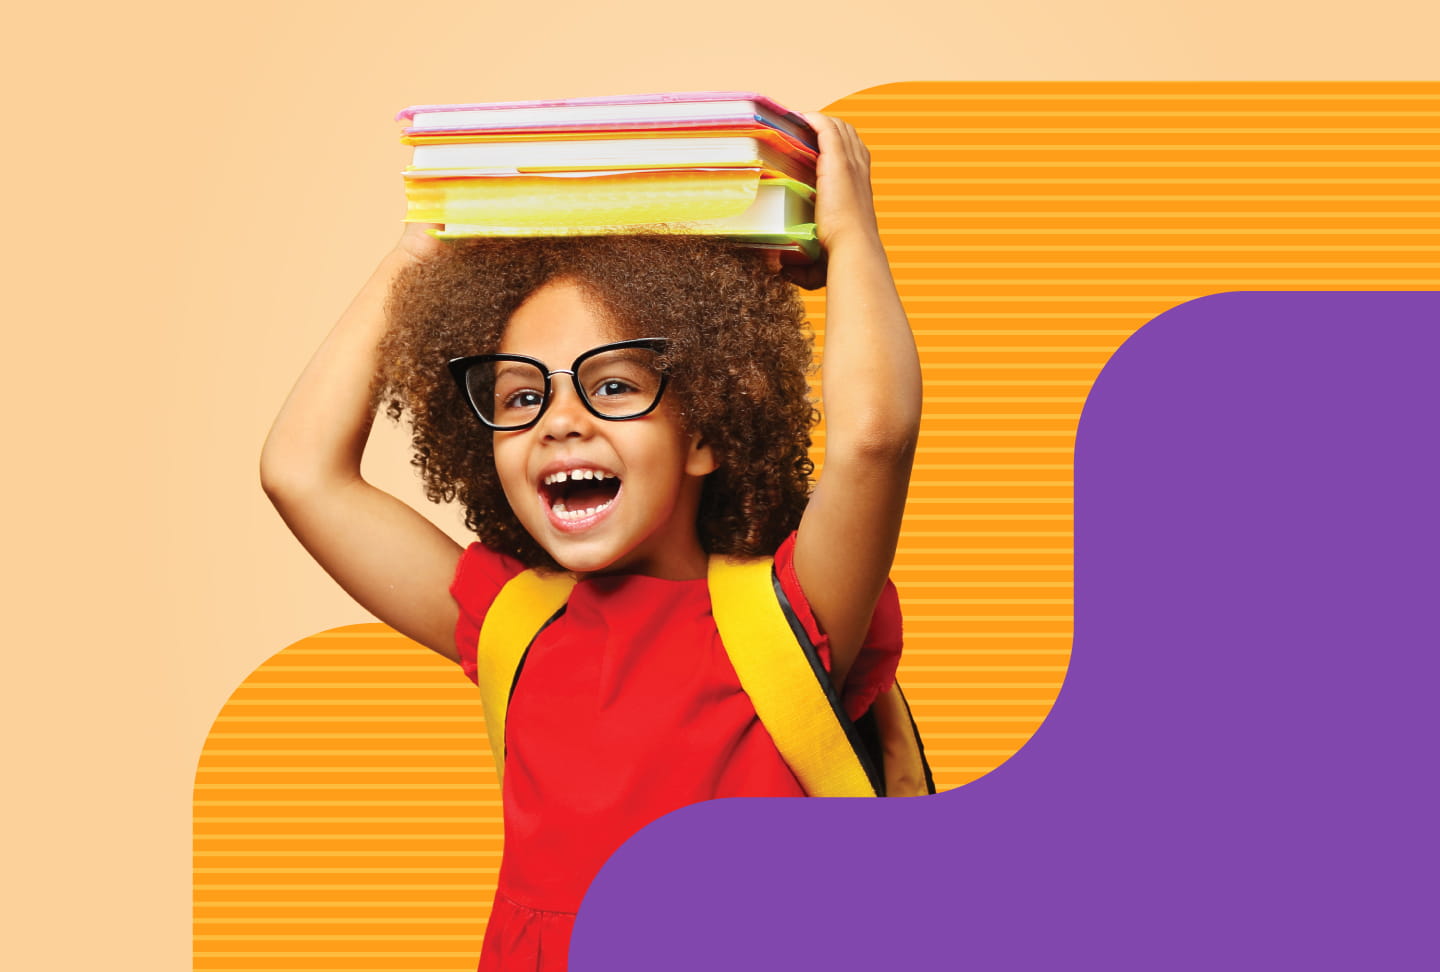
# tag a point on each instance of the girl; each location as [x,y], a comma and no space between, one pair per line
[620,409]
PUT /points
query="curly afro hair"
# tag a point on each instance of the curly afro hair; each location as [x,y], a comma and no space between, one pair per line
[739,355]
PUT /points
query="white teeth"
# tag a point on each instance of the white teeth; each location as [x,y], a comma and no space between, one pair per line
[558,507]
[554,479]
[559,510]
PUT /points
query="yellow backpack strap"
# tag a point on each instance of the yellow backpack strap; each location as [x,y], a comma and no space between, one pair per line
[522,609]
[790,689]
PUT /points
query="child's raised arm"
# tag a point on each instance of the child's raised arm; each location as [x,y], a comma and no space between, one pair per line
[870,385]
[391,559]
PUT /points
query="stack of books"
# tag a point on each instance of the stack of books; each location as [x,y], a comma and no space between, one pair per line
[717,163]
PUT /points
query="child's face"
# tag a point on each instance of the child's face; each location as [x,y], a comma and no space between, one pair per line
[645,502]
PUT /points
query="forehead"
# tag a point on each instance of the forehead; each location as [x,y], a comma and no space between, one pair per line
[557,324]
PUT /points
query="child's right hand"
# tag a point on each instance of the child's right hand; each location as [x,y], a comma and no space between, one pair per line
[388,556]
[417,243]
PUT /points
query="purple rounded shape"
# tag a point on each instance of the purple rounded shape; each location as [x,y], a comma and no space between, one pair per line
[1240,770]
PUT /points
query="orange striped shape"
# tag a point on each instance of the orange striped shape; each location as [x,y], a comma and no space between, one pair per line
[345,812]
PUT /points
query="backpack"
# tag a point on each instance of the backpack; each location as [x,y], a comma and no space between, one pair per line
[878,755]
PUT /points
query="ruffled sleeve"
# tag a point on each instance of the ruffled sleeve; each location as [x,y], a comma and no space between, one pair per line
[478,578]
[874,668]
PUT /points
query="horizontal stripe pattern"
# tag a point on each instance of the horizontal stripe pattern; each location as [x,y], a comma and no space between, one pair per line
[328,840]
[346,816]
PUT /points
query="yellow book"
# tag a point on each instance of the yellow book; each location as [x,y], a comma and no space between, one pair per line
[736,199]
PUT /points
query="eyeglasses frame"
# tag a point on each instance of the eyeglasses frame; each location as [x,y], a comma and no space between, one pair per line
[460,366]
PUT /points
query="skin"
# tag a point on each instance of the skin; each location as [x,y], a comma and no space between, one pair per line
[399,566]
[649,528]
[870,386]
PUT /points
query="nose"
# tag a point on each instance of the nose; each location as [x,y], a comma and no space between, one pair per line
[567,416]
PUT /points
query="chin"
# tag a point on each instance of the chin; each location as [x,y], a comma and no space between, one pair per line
[583,561]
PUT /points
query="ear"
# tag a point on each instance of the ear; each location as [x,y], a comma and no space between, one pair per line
[700,460]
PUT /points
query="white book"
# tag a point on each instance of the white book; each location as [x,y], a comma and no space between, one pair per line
[612,153]
[703,109]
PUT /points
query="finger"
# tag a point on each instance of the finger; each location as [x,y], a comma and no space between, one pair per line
[816,120]
[850,138]
[825,127]
[839,138]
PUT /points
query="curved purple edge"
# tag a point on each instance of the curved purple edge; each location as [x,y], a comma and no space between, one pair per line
[1240,771]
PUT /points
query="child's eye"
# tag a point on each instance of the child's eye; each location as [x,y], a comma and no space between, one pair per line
[528,398]
[613,386]
[621,383]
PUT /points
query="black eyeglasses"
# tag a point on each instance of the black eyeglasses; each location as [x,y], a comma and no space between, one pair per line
[616,382]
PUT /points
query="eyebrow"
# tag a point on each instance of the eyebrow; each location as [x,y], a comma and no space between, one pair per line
[630,354]
[507,368]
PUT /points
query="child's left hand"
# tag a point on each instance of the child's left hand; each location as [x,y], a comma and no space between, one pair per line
[871,387]
[844,204]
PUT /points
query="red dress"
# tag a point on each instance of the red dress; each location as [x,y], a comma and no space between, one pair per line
[627,708]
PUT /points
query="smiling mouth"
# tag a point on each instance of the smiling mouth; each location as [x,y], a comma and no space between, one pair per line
[575,494]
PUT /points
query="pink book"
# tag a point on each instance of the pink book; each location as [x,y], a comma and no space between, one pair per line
[674,110]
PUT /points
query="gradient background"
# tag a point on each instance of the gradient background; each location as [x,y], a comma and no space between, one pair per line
[161,301]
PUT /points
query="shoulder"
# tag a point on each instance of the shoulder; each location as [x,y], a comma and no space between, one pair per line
[874,669]
[478,579]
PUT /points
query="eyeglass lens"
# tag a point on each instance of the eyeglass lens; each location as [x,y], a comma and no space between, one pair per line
[620,383]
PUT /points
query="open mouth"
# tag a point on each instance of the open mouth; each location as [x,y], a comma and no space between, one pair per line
[574,494]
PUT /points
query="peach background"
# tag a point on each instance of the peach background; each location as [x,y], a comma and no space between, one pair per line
[193,196]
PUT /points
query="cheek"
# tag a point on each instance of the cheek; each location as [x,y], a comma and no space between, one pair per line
[510,465]
[669,457]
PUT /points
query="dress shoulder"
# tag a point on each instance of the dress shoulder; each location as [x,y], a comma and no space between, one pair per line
[478,579]
[874,668]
